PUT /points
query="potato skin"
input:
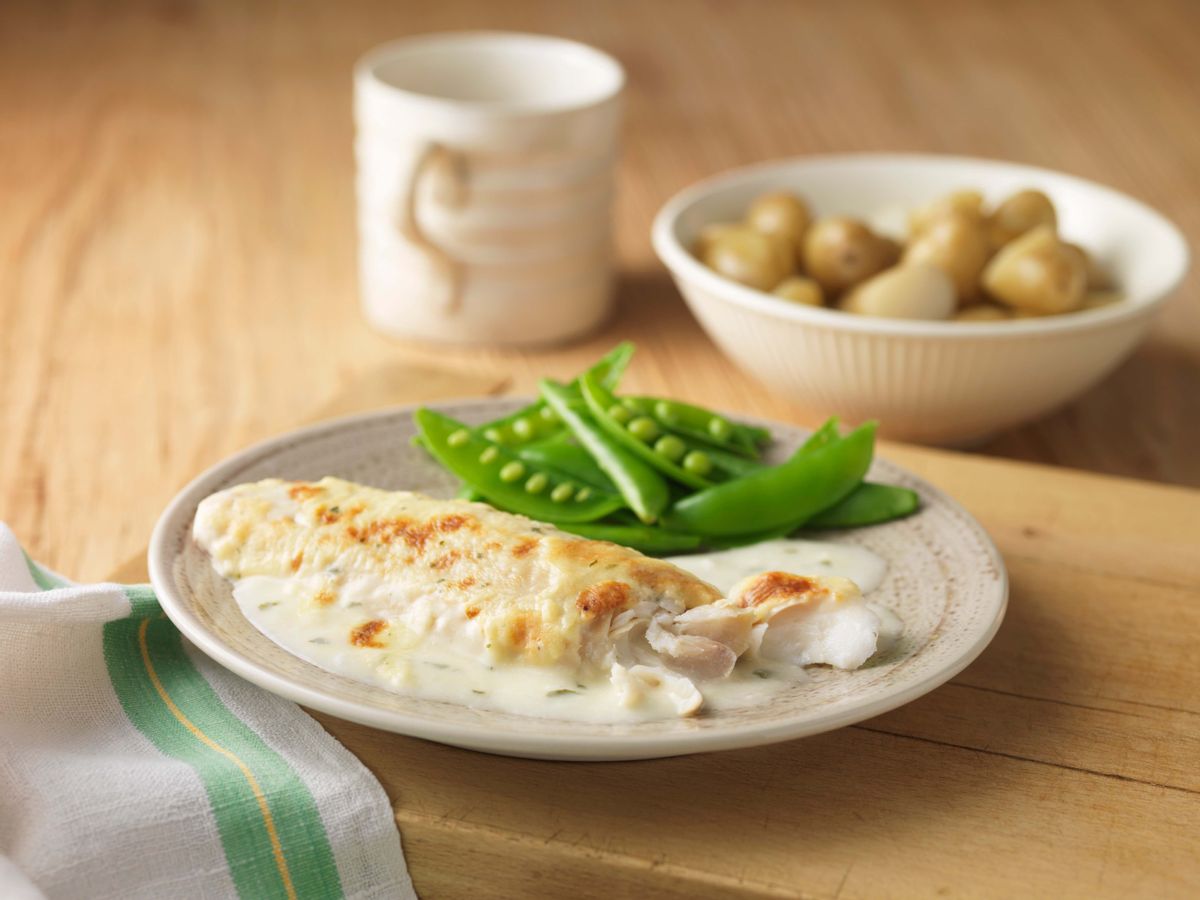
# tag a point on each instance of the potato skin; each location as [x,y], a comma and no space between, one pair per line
[1036,274]
[1020,214]
[709,235]
[780,213]
[750,257]
[799,289]
[965,203]
[840,252]
[958,246]
[916,291]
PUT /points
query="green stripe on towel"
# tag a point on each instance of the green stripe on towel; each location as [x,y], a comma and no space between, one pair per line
[270,828]
[271,831]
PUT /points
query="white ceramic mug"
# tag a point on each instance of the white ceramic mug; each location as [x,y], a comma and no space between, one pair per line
[485,185]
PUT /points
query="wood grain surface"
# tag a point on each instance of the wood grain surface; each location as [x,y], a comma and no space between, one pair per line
[176,212]
[177,280]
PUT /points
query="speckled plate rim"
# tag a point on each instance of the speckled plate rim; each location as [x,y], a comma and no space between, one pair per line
[534,745]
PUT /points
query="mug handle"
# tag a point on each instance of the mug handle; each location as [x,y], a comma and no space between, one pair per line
[434,156]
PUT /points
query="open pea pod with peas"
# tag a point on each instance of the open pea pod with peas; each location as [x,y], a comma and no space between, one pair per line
[641,435]
[643,488]
[561,452]
[700,424]
[658,475]
[497,474]
[813,479]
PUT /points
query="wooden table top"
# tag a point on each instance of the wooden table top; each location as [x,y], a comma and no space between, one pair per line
[177,280]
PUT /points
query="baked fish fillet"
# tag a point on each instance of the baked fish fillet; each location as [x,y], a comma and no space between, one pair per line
[514,592]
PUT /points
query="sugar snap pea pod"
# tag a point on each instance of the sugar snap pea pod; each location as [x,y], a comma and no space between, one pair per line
[568,458]
[739,465]
[732,465]
[826,434]
[701,424]
[535,421]
[497,474]
[711,426]
[867,504]
[756,433]
[803,486]
[600,401]
[647,539]
[642,487]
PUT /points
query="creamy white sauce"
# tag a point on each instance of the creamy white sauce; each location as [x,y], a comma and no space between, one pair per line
[725,568]
[431,653]
[423,656]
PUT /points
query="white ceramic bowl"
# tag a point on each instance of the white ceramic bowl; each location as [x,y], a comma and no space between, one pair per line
[934,382]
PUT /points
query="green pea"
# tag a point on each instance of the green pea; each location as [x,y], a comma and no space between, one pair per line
[549,416]
[494,435]
[523,429]
[720,428]
[512,471]
[562,492]
[667,413]
[636,404]
[697,462]
[478,464]
[643,428]
[619,413]
[584,494]
[458,438]
[670,447]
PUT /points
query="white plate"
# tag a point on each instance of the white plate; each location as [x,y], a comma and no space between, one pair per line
[945,579]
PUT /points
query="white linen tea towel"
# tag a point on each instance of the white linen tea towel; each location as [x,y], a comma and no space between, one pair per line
[132,766]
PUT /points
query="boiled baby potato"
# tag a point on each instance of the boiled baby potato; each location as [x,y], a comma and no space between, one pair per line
[750,257]
[983,312]
[959,203]
[956,244]
[840,252]
[710,234]
[1020,213]
[782,214]
[917,291]
[1037,274]
[799,289]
